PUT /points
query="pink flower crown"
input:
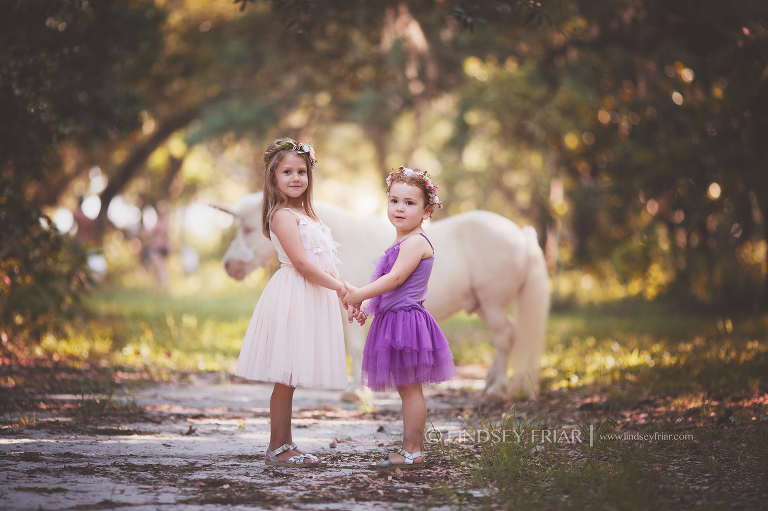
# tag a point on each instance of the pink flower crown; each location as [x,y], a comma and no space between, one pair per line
[433,200]
[290,144]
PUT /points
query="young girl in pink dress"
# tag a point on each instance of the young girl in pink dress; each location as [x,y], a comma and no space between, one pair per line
[295,337]
[405,348]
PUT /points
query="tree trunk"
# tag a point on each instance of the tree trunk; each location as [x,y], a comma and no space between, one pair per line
[174,166]
[135,162]
[375,133]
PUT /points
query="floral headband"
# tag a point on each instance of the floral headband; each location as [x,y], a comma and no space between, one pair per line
[433,199]
[290,144]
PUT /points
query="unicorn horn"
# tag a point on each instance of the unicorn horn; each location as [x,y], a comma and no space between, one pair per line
[214,205]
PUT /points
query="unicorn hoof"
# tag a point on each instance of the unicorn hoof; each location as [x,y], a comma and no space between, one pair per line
[496,392]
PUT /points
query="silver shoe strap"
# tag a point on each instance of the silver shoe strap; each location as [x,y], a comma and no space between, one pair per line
[279,450]
[410,456]
[299,459]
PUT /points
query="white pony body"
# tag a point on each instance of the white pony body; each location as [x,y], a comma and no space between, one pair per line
[483,263]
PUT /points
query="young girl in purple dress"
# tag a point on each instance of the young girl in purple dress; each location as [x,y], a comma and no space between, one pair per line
[405,348]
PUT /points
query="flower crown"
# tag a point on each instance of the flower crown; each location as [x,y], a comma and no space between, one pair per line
[290,144]
[433,199]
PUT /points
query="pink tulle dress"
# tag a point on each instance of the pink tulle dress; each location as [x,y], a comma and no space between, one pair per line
[404,345]
[295,336]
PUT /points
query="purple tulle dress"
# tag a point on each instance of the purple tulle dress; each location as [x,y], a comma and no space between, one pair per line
[404,345]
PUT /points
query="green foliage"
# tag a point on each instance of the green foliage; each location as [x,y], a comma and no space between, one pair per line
[69,71]
[704,376]
[156,334]
[631,348]
[534,472]
[636,110]
[597,94]
[41,276]
[614,473]
[625,350]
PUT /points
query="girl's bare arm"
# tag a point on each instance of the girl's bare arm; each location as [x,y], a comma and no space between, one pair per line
[286,229]
[412,251]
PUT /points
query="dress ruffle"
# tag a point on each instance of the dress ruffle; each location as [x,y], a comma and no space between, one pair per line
[405,346]
[295,336]
[319,245]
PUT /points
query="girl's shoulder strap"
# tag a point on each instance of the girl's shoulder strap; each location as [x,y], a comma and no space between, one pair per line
[430,243]
[412,235]
[302,219]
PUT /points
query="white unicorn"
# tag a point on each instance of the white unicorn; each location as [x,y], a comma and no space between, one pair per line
[484,262]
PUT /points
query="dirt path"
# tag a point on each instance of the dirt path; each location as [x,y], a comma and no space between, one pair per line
[199,445]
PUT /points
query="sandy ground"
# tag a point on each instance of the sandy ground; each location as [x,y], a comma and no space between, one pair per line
[200,444]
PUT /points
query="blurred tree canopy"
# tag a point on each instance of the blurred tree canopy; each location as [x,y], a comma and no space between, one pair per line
[632,133]
[67,81]
[641,125]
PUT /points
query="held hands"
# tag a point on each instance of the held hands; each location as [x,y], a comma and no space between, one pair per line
[353,312]
[359,314]
[353,296]
[353,303]
[356,312]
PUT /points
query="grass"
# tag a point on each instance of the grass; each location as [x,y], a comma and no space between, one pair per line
[157,334]
[624,349]
[634,348]
[719,469]
[629,370]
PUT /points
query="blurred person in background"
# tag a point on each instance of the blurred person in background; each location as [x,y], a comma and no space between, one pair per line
[160,245]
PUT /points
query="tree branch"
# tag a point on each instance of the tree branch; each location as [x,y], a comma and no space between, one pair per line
[134,164]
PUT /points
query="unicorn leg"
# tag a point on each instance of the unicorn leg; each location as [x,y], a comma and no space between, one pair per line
[355,340]
[532,309]
[503,330]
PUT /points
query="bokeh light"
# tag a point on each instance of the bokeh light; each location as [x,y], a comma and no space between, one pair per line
[91,206]
[571,141]
[123,214]
[149,217]
[63,219]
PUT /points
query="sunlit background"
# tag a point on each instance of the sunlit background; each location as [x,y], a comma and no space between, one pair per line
[629,137]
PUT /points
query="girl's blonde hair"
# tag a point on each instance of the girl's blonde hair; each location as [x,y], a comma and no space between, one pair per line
[274,199]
